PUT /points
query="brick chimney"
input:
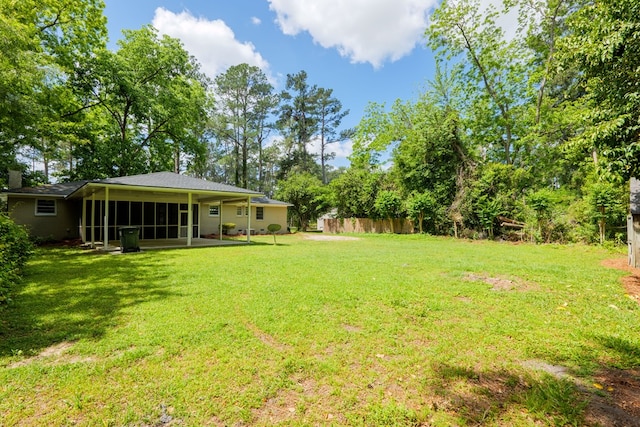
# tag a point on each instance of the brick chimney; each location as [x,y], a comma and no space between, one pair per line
[15,179]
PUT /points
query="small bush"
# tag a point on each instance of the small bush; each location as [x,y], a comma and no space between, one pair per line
[273,229]
[15,249]
[226,226]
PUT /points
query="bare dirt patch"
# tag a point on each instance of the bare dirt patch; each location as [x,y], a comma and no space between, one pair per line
[53,355]
[618,403]
[632,281]
[266,339]
[500,283]
[328,237]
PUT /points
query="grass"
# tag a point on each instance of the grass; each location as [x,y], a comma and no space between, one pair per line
[385,330]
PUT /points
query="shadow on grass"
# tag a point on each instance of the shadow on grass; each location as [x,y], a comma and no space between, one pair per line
[628,352]
[69,295]
[486,397]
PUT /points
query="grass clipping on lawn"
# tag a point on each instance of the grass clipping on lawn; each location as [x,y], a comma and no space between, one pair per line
[373,330]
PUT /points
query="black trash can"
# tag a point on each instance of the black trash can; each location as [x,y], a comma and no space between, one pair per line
[129,240]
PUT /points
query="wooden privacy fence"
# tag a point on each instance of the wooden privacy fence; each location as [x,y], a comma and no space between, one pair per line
[366,225]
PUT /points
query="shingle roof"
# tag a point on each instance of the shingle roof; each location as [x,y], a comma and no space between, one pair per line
[61,190]
[268,201]
[635,196]
[154,180]
[173,180]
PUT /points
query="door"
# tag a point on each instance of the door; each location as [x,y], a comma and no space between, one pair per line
[184,224]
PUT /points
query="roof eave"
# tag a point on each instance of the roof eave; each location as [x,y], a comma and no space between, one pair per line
[171,190]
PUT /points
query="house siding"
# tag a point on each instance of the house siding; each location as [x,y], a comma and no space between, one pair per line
[272,215]
[64,225]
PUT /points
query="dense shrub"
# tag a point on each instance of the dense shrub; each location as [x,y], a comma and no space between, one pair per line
[15,249]
[227,226]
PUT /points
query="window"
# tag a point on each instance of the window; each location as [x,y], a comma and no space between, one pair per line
[240,210]
[214,210]
[46,207]
[259,213]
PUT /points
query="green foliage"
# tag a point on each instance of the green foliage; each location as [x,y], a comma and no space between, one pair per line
[149,106]
[227,226]
[15,250]
[608,204]
[496,190]
[273,229]
[605,45]
[388,205]
[44,44]
[298,118]
[244,99]
[355,191]
[421,207]
[307,195]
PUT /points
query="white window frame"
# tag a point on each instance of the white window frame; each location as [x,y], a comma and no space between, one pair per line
[261,210]
[242,211]
[217,208]
[55,207]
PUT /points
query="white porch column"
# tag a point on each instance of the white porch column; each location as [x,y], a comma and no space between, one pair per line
[249,219]
[105,240]
[220,217]
[189,219]
[93,220]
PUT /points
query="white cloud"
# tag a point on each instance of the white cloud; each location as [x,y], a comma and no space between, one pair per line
[213,43]
[255,20]
[507,21]
[371,31]
[342,149]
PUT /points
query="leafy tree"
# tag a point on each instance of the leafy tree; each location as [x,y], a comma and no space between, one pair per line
[354,193]
[429,152]
[605,44]
[43,43]
[542,202]
[607,203]
[273,229]
[307,195]
[421,207]
[494,77]
[497,189]
[388,205]
[15,250]
[244,100]
[330,116]
[298,120]
[373,136]
[151,98]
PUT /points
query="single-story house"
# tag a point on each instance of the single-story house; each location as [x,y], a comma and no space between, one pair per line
[633,224]
[164,205]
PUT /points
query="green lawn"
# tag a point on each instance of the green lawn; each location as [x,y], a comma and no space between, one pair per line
[384,330]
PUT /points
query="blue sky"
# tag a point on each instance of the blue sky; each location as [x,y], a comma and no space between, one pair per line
[365,50]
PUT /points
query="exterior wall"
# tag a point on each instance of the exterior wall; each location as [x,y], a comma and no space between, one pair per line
[64,225]
[272,215]
[366,225]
